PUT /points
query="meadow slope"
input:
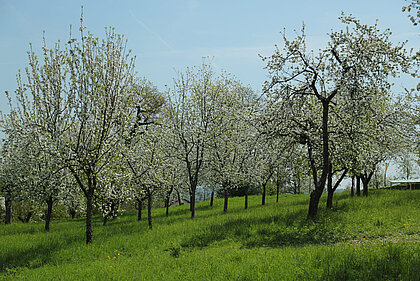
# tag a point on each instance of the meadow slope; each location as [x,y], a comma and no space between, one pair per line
[374,238]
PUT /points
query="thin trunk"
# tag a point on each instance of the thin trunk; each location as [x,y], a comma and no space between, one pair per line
[168,197]
[225,205]
[358,185]
[352,187]
[139,208]
[263,194]
[105,220]
[179,197]
[246,197]
[329,188]
[332,189]
[48,213]
[192,203]
[8,217]
[212,198]
[149,209]
[277,190]
[167,206]
[72,213]
[89,216]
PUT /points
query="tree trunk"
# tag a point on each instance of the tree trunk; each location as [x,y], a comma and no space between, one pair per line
[319,185]
[277,191]
[365,180]
[179,197]
[263,194]
[48,213]
[352,187]
[72,213]
[8,217]
[358,185]
[149,209]
[139,208]
[105,220]
[89,217]
[212,198]
[246,197]
[168,197]
[329,188]
[225,205]
[167,207]
[314,202]
[192,203]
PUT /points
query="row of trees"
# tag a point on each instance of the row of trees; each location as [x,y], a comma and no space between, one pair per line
[84,131]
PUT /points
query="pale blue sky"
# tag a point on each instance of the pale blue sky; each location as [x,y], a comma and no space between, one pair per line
[169,35]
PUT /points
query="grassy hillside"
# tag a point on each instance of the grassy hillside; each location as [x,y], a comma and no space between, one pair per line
[374,238]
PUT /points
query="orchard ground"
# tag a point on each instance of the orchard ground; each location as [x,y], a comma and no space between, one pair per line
[373,238]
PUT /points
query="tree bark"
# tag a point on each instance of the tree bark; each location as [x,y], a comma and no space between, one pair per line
[225,205]
[263,194]
[212,198]
[48,213]
[139,208]
[320,185]
[168,197]
[89,217]
[277,191]
[8,217]
[149,209]
[72,213]
[179,197]
[331,188]
[167,207]
[358,185]
[105,220]
[365,180]
[314,202]
[246,197]
[192,203]
[352,187]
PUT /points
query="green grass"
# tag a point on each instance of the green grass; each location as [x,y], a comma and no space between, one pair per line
[374,238]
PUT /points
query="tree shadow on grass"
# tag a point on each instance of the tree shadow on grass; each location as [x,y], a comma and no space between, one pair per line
[287,229]
[38,254]
[41,252]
